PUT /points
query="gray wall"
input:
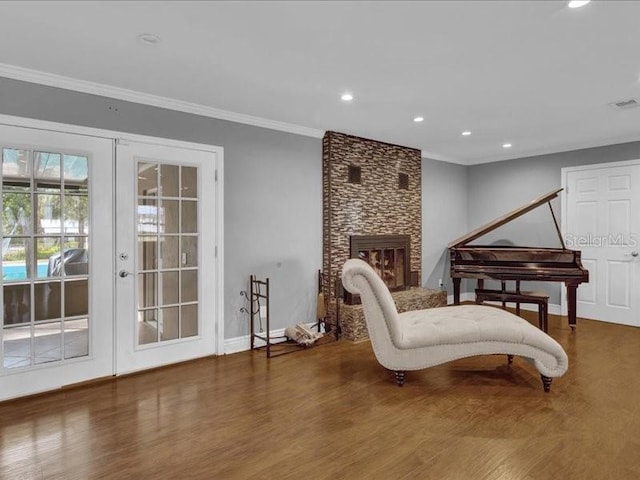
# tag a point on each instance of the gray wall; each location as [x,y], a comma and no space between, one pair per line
[496,188]
[273,191]
[273,196]
[444,217]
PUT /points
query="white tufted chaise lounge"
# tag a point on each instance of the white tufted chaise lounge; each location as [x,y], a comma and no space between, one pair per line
[424,338]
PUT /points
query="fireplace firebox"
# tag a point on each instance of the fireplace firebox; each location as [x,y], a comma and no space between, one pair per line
[389,256]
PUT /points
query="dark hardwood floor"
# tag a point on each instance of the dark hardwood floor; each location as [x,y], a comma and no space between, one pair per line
[332,412]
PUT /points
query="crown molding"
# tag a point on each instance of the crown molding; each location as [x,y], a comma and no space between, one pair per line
[84,86]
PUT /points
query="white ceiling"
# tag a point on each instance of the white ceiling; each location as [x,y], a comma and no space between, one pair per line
[532,73]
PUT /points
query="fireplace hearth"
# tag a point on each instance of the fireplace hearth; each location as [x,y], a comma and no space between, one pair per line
[388,255]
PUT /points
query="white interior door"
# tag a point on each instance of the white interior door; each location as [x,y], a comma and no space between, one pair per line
[168,277]
[603,220]
[57,271]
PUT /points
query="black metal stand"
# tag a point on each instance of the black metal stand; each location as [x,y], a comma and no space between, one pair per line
[259,308]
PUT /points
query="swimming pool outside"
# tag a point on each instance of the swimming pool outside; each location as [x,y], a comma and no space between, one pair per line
[18,271]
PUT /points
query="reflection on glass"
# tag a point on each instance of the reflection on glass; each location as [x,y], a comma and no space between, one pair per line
[169,290]
[76,256]
[147,283]
[147,216]
[76,174]
[47,251]
[189,286]
[170,328]
[47,342]
[76,338]
[189,322]
[147,252]
[169,222]
[47,209]
[189,220]
[169,180]
[47,300]
[16,214]
[169,251]
[17,304]
[400,266]
[17,347]
[147,179]
[38,318]
[147,326]
[189,182]
[76,298]
[189,254]
[16,169]
[76,214]
[16,259]
[47,168]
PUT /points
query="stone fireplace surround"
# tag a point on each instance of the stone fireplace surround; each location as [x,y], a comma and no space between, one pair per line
[369,188]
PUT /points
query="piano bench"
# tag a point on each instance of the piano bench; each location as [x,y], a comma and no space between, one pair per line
[506,296]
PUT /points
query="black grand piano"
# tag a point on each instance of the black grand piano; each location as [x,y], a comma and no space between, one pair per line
[517,263]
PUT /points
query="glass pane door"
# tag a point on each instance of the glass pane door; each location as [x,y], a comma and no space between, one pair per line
[166,205]
[56,297]
[45,251]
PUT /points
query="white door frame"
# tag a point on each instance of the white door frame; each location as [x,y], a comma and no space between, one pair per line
[219,200]
[563,203]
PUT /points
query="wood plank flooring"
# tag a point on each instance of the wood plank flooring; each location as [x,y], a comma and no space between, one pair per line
[332,412]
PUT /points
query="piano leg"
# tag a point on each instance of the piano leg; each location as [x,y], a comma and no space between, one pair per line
[571,305]
[456,290]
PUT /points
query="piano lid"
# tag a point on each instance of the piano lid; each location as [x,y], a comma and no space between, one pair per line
[506,218]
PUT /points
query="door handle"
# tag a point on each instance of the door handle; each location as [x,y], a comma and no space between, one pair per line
[634,254]
[124,274]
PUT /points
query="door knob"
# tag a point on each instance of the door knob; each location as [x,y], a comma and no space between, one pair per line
[634,254]
[123,273]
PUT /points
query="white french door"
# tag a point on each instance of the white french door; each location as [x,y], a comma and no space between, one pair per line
[109,254]
[601,219]
[57,267]
[167,272]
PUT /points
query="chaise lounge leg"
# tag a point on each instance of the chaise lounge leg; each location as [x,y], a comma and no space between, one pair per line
[509,359]
[399,377]
[546,383]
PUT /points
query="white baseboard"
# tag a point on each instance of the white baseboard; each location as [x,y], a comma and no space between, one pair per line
[243,343]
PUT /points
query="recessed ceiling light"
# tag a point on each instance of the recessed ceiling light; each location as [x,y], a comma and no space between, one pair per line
[347,97]
[149,39]
[418,119]
[506,145]
[466,133]
[578,3]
